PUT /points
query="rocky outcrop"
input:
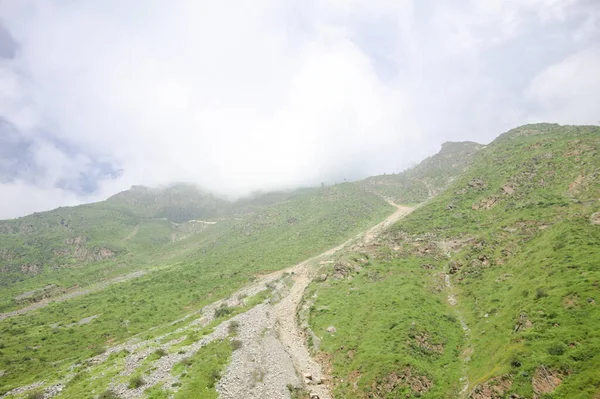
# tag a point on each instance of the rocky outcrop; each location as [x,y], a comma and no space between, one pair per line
[78,240]
[408,377]
[545,381]
[30,268]
[495,388]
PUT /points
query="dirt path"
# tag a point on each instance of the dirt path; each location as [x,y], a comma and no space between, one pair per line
[132,234]
[274,353]
[290,334]
[72,294]
[468,352]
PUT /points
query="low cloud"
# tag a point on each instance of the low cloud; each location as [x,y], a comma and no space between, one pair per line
[98,96]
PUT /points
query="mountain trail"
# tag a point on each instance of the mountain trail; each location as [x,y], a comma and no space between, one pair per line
[133,233]
[73,294]
[468,352]
[273,357]
[291,335]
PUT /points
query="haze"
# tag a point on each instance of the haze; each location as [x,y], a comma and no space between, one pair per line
[239,96]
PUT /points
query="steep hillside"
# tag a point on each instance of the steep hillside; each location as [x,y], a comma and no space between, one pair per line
[178,203]
[428,178]
[490,290]
[45,254]
[183,276]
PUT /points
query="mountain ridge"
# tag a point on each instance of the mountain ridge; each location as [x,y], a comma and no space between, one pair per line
[488,290]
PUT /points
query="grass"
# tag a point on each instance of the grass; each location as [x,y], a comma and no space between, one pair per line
[136,382]
[201,372]
[196,271]
[380,317]
[525,269]
[94,383]
[427,179]
[525,266]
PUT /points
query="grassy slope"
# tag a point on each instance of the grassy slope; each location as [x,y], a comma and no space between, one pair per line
[77,246]
[428,178]
[202,269]
[393,330]
[527,272]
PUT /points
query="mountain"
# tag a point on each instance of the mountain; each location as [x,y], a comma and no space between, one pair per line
[428,178]
[177,202]
[489,290]
[175,270]
[93,241]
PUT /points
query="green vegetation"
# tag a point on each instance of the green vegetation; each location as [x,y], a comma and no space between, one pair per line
[516,234]
[136,382]
[426,179]
[391,333]
[201,372]
[48,253]
[493,282]
[194,271]
[93,383]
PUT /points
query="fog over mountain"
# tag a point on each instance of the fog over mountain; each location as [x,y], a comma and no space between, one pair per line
[98,96]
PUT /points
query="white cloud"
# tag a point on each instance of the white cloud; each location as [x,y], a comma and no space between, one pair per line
[569,91]
[247,95]
[19,199]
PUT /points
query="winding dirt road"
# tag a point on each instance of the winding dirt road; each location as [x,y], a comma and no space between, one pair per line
[290,334]
[270,331]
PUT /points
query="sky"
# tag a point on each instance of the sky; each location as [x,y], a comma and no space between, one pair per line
[237,96]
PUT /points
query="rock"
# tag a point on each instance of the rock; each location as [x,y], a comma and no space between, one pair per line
[321,278]
[508,190]
[331,330]
[313,396]
[545,381]
[307,376]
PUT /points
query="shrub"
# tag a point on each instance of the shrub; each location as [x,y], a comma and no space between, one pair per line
[160,352]
[136,382]
[214,376]
[540,293]
[108,394]
[556,350]
[186,362]
[236,344]
[233,327]
[223,310]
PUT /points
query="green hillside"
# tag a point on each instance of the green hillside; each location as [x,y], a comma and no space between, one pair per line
[518,237]
[428,178]
[178,203]
[48,253]
[188,274]
[489,289]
